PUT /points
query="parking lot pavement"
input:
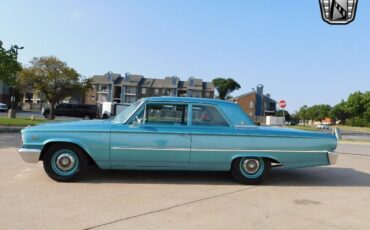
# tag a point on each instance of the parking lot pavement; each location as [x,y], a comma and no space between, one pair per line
[335,197]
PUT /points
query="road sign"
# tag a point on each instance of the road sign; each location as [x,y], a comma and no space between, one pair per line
[282,104]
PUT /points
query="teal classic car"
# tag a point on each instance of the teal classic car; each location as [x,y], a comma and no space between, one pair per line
[173,133]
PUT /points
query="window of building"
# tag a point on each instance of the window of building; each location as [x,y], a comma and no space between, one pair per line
[156,91]
[130,99]
[251,114]
[251,104]
[130,90]
[166,114]
[205,115]
[196,93]
[143,90]
[167,92]
[207,94]
[102,97]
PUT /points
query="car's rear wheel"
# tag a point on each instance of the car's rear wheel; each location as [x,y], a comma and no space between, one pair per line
[65,162]
[250,170]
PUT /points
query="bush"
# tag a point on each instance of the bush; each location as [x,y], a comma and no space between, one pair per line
[358,121]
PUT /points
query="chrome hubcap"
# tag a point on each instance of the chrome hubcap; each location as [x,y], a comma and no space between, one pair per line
[65,161]
[251,166]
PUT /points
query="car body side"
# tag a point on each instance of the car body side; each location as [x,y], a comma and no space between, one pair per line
[116,145]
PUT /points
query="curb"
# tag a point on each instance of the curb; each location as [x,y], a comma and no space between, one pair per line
[11,129]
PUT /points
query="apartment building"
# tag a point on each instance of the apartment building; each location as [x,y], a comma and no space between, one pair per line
[131,87]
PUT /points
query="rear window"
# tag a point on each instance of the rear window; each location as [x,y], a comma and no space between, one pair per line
[206,115]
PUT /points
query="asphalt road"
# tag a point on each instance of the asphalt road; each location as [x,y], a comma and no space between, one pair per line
[335,197]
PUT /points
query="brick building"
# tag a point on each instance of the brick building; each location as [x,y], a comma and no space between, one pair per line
[256,104]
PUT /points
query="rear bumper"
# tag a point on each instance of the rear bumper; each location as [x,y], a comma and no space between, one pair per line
[30,155]
[333,157]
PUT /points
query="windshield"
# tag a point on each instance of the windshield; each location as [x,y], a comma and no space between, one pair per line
[124,115]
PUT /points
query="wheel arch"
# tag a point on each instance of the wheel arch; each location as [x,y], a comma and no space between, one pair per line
[50,143]
[257,155]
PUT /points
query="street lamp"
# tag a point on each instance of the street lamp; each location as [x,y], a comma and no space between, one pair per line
[11,113]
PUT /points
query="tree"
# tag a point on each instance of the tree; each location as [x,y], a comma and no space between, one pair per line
[54,79]
[8,64]
[339,112]
[319,112]
[302,114]
[225,86]
[366,101]
[280,113]
[355,104]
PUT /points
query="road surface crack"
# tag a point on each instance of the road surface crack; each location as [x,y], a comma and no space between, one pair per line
[354,154]
[169,208]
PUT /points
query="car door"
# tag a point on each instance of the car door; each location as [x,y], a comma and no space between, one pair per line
[161,139]
[212,137]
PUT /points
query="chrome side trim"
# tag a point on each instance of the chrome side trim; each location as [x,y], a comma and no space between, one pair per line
[333,157]
[30,155]
[214,150]
[151,149]
[258,150]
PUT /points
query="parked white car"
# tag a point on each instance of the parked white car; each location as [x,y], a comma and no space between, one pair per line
[3,107]
[323,126]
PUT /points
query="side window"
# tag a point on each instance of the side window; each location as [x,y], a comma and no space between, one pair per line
[166,114]
[205,115]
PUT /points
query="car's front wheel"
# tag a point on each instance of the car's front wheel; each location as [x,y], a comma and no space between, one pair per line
[65,162]
[250,170]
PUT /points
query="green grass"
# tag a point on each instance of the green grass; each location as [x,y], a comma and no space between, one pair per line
[350,128]
[4,121]
[306,128]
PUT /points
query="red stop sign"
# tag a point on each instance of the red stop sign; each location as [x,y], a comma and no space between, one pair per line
[282,104]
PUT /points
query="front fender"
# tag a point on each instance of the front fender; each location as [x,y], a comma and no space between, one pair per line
[66,140]
[100,155]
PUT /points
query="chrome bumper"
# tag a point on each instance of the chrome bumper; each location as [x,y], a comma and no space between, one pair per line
[30,155]
[333,157]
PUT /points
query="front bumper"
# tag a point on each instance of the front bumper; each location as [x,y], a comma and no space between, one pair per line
[30,155]
[333,157]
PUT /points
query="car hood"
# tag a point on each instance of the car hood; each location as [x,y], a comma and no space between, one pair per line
[84,125]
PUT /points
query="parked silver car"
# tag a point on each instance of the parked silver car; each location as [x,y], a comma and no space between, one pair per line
[323,126]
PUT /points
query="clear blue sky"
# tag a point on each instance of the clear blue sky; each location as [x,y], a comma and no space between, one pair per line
[284,45]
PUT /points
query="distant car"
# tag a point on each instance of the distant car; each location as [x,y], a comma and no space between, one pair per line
[73,110]
[3,107]
[323,126]
[174,133]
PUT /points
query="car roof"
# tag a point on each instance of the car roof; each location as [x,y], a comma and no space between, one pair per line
[187,100]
